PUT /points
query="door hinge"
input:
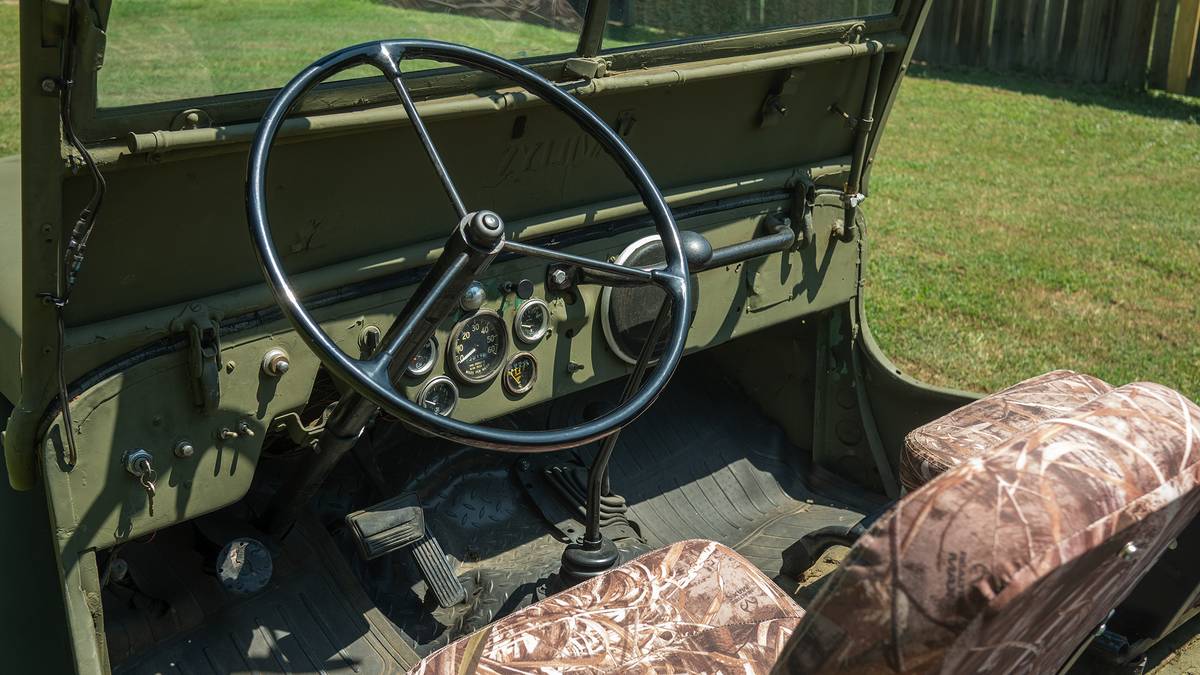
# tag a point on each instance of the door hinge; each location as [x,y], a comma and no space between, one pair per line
[203,330]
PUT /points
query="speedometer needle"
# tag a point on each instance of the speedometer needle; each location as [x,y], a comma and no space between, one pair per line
[466,356]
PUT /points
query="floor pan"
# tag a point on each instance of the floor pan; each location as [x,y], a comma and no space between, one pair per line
[702,464]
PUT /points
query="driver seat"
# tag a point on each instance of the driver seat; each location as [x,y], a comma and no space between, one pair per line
[1004,563]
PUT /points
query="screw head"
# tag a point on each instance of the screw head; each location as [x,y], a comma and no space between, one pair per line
[1129,550]
[558,278]
[49,85]
[184,449]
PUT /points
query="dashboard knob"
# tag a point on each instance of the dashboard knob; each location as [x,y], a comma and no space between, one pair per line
[472,298]
[276,362]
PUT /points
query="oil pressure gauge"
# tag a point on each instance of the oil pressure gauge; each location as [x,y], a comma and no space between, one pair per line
[532,321]
[439,395]
[520,374]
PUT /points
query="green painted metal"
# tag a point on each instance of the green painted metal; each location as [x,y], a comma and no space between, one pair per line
[355,204]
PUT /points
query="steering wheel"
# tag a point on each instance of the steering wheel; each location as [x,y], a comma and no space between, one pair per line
[475,241]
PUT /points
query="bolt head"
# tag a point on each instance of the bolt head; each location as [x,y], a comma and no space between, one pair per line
[184,450]
[49,86]
[558,277]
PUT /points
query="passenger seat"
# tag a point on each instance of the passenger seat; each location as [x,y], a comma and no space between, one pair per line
[975,429]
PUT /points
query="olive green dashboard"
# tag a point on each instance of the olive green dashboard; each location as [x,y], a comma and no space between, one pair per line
[206,459]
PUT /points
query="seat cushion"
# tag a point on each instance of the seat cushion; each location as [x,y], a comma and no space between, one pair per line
[694,606]
[976,428]
[1008,561]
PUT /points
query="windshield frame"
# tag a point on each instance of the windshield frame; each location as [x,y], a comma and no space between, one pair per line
[97,124]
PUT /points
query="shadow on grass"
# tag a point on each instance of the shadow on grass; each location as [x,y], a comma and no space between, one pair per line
[1146,103]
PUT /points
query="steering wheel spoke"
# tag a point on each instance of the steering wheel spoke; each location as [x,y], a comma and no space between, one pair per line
[601,272]
[389,63]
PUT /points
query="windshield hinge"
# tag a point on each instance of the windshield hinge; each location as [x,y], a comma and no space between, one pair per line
[854,34]
[203,330]
[587,68]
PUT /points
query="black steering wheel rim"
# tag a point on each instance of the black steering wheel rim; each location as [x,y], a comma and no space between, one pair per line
[369,376]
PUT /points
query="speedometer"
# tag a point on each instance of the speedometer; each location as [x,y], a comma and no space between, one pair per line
[477,347]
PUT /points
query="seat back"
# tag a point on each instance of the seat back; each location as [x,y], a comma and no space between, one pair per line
[1007,562]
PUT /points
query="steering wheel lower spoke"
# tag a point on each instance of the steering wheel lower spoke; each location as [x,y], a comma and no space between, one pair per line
[420,317]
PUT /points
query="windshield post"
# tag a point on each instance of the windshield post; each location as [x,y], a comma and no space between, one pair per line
[594,20]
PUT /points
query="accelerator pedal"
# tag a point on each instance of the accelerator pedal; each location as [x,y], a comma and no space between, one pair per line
[398,523]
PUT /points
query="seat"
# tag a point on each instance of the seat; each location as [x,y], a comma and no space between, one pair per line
[695,605]
[1004,563]
[974,429]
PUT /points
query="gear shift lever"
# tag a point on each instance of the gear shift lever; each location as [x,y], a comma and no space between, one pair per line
[595,554]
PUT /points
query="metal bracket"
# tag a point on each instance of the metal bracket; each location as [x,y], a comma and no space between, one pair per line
[587,68]
[802,210]
[774,106]
[204,353]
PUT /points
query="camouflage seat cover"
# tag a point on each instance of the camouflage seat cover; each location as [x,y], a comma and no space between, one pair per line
[1007,562]
[1002,564]
[694,606]
[976,428]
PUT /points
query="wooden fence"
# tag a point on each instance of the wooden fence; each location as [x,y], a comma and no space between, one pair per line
[1132,43]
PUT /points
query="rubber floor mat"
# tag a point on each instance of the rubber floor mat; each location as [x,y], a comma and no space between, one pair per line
[312,618]
[706,464]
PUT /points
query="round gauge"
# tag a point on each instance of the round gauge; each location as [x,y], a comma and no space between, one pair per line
[520,373]
[439,395]
[477,347]
[422,360]
[532,321]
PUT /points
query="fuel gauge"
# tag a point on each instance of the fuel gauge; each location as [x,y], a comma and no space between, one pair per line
[520,374]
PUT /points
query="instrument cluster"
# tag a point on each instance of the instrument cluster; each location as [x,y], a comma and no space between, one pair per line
[481,346]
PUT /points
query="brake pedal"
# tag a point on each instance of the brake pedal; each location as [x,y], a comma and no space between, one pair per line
[398,523]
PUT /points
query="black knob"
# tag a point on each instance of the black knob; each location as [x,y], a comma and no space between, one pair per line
[696,248]
[523,288]
[484,229]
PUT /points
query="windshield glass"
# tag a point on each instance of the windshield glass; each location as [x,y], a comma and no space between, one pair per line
[162,50]
[165,50]
[636,22]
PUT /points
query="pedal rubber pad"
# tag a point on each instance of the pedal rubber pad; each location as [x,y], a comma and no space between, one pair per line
[388,526]
[398,523]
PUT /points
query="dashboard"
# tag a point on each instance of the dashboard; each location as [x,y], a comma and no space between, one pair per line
[518,338]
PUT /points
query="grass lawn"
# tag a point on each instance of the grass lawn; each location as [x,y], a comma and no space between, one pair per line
[1021,225]
[10,103]
[1018,225]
